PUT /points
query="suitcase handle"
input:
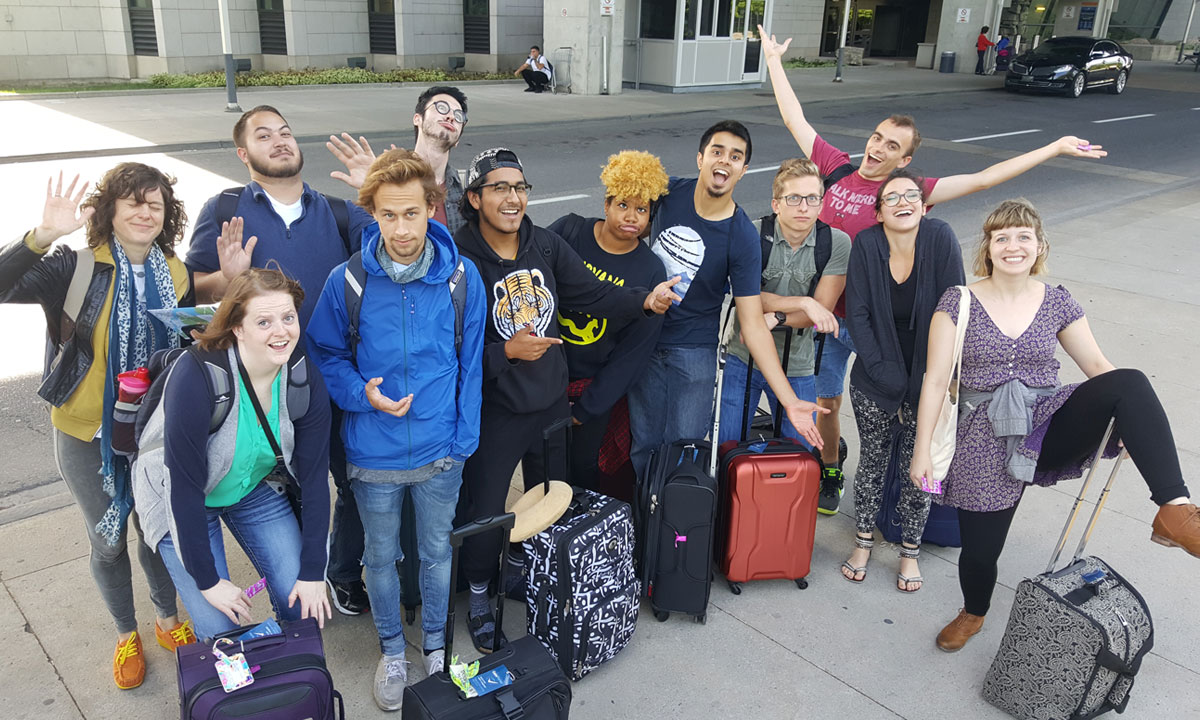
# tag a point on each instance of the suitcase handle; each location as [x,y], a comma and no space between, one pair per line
[503,522]
[1087,532]
[747,418]
[563,424]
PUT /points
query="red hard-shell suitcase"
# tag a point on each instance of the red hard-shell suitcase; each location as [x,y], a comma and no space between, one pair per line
[769,492]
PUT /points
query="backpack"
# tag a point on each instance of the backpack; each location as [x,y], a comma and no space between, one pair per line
[838,173]
[356,281]
[227,203]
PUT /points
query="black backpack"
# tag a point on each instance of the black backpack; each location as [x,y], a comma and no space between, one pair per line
[227,203]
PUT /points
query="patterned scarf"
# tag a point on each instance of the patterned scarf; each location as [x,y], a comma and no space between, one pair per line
[132,336]
[413,272]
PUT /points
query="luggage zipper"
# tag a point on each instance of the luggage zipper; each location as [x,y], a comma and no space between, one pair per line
[562,589]
[586,630]
[271,669]
[1128,636]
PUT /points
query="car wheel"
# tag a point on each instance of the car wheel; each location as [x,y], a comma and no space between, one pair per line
[1118,87]
[1075,89]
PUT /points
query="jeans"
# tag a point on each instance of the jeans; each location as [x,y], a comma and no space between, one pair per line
[673,400]
[835,359]
[265,526]
[733,396]
[346,532]
[379,506]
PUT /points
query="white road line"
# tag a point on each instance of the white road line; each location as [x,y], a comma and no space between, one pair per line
[562,198]
[997,135]
[775,167]
[1128,117]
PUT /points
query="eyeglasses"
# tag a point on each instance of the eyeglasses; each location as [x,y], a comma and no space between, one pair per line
[443,107]
[893,199]
[503,188]
[794,200]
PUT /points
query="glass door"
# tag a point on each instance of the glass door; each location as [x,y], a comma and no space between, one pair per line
[750,14]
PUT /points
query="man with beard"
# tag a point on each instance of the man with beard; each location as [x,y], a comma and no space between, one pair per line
[296,226]
[438,123]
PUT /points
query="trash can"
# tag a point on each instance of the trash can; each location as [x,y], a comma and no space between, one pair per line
[947,63]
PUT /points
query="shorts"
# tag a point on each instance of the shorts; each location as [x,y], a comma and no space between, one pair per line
[835,358]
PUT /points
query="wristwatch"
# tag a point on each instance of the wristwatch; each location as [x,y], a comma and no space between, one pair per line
[781,317]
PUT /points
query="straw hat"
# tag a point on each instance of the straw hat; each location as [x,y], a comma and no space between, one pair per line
[537,509]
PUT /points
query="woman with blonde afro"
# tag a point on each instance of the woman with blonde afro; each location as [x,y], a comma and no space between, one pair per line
[605,355]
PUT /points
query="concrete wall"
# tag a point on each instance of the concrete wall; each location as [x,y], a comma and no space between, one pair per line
[64,39]
[959,38]
[801,21]
[1176,20]
[428,32]
[323,33]
[587,33]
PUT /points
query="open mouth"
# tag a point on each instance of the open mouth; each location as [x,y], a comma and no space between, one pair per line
[720,177]
[510,212]
[871,160]
[1013,259]
[904,213]
[279,345]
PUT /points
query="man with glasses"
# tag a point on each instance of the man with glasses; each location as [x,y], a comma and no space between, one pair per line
[803,273]
[439,119]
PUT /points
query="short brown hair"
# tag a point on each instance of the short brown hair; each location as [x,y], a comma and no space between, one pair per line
[1017,212]
[901,174]
[130,179]
[239,127]
[795,168]
[907,121]
[399,167]
[248,285]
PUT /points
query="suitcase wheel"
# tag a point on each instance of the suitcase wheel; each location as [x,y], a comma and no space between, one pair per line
[410,616]
[661,615]
[735,588]
[702,619]
[802,583]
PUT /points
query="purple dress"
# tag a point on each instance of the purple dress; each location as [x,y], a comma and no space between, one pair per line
[978,479]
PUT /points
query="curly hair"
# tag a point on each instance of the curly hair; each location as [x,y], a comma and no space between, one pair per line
[134,180]
[398,167]
[249,284]
[634,174]
[1017,212]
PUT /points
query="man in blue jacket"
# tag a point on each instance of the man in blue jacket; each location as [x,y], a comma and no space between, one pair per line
[410,391]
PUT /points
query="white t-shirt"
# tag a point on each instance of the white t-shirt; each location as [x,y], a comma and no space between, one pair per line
[541,64]
[289,213]
[139,280]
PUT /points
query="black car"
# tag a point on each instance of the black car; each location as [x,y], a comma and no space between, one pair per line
[1071,65]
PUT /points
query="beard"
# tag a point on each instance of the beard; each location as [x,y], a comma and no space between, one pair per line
[438,136]
[281,170]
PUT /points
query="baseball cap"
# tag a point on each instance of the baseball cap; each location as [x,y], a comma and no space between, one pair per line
[489,160]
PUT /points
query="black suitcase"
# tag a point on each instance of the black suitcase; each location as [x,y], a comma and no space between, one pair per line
[539,689]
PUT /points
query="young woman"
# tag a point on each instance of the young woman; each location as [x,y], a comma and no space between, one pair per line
[1009,372]
[133,222]
[898,270]
[203,477]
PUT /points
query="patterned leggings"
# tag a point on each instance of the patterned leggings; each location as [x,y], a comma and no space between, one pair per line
[875,441]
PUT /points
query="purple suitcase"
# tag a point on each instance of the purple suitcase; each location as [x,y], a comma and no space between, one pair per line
[291,683]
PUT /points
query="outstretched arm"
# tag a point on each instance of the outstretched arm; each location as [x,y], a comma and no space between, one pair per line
[785,97]
[956,186]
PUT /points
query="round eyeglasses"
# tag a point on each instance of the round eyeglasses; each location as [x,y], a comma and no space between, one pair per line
[443,107]
[892,199]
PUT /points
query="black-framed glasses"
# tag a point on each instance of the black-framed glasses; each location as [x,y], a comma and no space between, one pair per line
[794,200]
[504,188]
[443,107]
[892,199]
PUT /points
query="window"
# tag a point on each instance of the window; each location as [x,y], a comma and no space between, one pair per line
[272,29]
[658,19]
[141,28]
[381,26]
[476,27]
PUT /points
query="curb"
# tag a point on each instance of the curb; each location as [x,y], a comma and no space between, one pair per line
[78,94]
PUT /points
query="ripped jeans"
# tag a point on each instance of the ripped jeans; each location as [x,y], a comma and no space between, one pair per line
[379,506]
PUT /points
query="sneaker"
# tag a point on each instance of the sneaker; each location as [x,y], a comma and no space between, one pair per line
[435,662]
[832,487]
[1178,526]
[349,598]
[129,666]
[391,677]
[181,634]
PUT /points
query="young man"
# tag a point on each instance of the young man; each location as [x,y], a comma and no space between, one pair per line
[438,123]
[701,235]
[850,207]
[410,392]
[789,297]
[298,227]
[529,272]
[605,356]
[536,71]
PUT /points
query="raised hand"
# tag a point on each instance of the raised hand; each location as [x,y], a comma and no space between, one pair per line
[1078,147]
[383,403]
[232,256]
[800,414]
[771,48]
[659,299]
[526,345]
[356,155]
[61,214]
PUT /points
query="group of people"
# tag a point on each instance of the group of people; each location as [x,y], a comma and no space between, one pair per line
[414,343]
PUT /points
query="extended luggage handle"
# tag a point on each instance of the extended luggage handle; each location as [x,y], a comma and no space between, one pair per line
[777,411]
[504,523]
[547,433]
[1087,532]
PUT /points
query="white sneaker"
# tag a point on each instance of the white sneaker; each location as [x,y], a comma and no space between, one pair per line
[391,677]
[435,662]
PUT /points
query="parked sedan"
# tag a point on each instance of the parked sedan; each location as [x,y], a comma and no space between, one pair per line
[1071,65]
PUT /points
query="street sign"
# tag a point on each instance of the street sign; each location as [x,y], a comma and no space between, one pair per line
[607,6]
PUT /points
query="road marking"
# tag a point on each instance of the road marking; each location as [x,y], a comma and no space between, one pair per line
[1128,117]
[773,168]
[563,198]
[997,135]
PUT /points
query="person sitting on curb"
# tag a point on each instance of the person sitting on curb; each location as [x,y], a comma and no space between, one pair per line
[536,71]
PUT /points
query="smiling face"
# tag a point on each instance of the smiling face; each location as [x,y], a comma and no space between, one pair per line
[268,333]
[1013,250]
[137,225]
[906,214]
[721,164]
[403,218]
[441,129]
[500,212]
[268,147]
[888,148]
[798,220]
[626,218]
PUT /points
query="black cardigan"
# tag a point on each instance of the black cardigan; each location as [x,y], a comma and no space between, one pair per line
[879,370]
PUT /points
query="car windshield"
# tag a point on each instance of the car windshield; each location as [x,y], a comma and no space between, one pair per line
[1062,49]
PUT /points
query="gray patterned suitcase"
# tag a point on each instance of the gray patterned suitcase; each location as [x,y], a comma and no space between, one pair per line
[1076,637]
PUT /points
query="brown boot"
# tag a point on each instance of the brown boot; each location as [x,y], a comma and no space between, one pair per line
[1178,526]
[959,631]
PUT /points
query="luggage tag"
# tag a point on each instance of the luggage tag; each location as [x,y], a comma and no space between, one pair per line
[931,485]
[263,629]
[491,680]
[256,588]
[233,670]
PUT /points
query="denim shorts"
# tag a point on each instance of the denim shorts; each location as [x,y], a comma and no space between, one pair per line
[835,358]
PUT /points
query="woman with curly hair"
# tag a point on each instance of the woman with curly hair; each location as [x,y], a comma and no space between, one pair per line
[604,355]
[96,302]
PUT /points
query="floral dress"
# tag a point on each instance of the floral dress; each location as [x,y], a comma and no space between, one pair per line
[978,479]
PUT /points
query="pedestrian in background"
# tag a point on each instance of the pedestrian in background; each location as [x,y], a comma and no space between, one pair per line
[981,47]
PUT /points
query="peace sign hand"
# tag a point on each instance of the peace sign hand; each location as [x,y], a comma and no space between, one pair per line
[61,214]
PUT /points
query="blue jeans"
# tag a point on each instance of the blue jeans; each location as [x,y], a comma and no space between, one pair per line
[672,400]
[346,531]
[379,506]
[265,526]
[733,396]
[835,359]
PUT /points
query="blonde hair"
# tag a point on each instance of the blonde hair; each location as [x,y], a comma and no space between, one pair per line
[398,167]
[1017,212]
[796,168]
[634,174]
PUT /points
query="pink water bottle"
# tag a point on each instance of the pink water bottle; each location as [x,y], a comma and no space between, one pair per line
[133,384]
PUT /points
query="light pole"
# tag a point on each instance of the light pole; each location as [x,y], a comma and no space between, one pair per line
[1186,29]
[231,103]
[842,41]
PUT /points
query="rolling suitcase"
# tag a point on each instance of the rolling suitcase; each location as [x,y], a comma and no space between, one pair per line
[769,490]
[291,680]
[1076,636]
[583,593]
[538,691]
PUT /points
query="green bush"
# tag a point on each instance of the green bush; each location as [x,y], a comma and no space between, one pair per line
[803,63]
[314,76]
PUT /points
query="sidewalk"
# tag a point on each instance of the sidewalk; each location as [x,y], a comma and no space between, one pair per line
[835,650]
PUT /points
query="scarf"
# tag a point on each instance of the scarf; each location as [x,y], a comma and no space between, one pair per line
[413,272]
[132,336]
[1011,416]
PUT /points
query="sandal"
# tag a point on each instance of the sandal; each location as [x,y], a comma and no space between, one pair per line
[861,543]
[909,554]
[483,632]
